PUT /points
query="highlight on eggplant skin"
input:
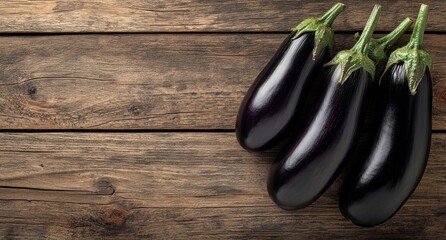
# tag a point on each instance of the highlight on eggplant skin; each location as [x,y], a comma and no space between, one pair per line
[276,97]
[308,166]
[378,186]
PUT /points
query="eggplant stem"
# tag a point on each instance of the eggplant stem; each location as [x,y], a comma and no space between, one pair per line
[416,60]
[329,17]
[362,44]
[416,39]
[391,38]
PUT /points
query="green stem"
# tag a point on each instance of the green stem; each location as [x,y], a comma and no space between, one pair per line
[391,38]
[362,44]
[331,14]
[416,40]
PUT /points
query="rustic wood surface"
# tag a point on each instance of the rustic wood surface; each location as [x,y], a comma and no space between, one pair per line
[199,15]
[64,185]
[157,81]
[126,131]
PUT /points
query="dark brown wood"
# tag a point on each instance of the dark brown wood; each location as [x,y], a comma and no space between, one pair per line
[155,81]
[170,185]
[177,185]
[199,15]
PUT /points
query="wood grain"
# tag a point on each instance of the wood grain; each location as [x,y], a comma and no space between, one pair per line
[177,185]
[199,15]
[156,81]
[188,72]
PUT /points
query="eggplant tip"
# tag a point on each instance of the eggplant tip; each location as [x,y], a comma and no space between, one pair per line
[360,218]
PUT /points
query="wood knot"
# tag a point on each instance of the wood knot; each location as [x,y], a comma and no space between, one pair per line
[135,110]
[31,90]
[441,93]
[138,109]
[102,222]
[113,218]
[105,187]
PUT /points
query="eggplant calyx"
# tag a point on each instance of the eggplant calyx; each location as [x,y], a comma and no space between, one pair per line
[415,63]
[378,47]
[351,61]
[323,34]
[414,57]
[356,58]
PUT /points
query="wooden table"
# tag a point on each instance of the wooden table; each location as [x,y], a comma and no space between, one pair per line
[117,121]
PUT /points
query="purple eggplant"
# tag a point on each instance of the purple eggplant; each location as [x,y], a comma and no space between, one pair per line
[390,170]
[306,167]
[276,97]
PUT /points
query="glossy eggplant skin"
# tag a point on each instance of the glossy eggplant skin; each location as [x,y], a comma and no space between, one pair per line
[306,167]
[377,187]
[276,97]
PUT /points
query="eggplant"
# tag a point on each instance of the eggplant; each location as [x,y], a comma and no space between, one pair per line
[275,99]
[379,53]
[390,170]
[306,167]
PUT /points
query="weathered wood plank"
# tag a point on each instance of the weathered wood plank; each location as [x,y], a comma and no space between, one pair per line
[198,15]
[158,81]
[177,185]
